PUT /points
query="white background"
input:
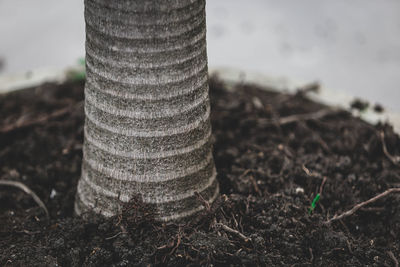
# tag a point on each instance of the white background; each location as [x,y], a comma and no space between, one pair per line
[352,46]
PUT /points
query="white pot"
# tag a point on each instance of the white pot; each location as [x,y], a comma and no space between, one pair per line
[229,75]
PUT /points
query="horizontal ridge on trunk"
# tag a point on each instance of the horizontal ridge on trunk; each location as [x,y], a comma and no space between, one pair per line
[148,91]
[124,191]
[132,176]
[168,211]
[124,45]
[133,17]
[151,7]
[148,133]
[146,77]
[144,109]
[146,141]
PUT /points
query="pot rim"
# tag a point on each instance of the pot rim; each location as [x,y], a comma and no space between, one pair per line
[231,76]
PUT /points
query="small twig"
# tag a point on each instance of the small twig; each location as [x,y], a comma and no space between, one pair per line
[299,117]
[391,255]
[349,246]
[114,236]
[360,205]
[252,180]
[394,159]
[25,123]
[178,242]
[309,173]
[28,232]
[28,191]
[244,173]
[203,201]
[373,209]
[308,116]
[233,231]
[311,255]
[322,185]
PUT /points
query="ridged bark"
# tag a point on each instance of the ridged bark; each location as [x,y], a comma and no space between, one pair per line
[147,128]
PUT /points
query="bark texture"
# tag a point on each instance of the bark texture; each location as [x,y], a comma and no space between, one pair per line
[147,129]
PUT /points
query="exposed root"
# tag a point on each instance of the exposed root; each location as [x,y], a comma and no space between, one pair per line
[28,191]
[394,159]
[360,205]
[25,123]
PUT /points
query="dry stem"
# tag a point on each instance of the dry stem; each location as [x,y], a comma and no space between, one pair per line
[309,173]
[360,205]
[203,201]
[25,123]
[299,117]
[26,190]
[308,116]
[394,159]
[322,185]
[233,231]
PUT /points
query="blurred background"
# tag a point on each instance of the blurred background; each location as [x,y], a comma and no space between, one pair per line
[351,46]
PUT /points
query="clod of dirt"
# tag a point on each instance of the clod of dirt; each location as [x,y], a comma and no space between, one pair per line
[378,108]
[359,104]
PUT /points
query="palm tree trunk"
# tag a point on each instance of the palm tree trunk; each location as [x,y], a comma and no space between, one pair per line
[147,128]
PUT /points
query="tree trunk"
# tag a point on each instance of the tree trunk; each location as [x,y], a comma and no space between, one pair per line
[147,128]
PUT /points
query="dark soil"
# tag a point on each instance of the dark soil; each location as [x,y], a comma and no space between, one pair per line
[269,168]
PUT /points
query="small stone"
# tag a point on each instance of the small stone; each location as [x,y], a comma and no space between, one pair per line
[53,193]
[14,173]
[299,190]
[257,103]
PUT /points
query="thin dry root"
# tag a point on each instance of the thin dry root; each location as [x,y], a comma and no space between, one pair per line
[308,116]
[233,231]
[28,191]
[322,185]
[394,159]
[203,201]
[300,117]
[41,119]
[391,255]
[360,205]
[309,173]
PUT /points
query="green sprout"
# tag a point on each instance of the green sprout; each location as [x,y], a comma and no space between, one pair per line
[81,61]
[314,203]
[77,74]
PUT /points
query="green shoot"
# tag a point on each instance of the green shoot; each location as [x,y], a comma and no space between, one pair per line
[81,61]
[77,74]
[314,203]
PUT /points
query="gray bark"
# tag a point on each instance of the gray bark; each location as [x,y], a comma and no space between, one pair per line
[147,128]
